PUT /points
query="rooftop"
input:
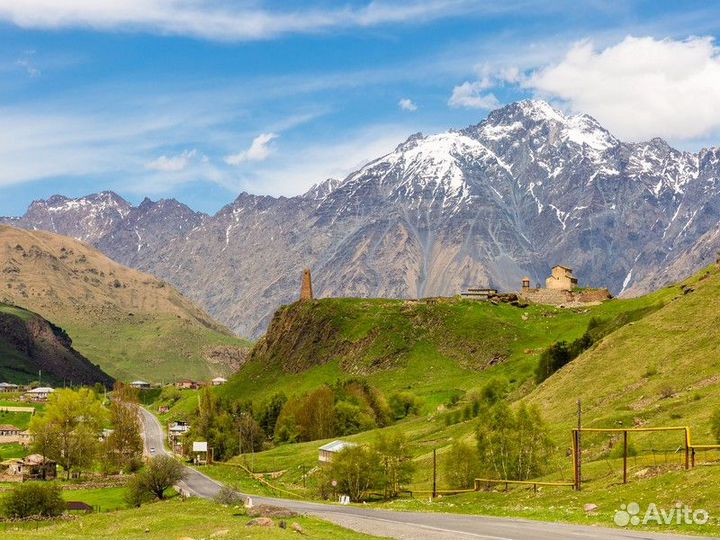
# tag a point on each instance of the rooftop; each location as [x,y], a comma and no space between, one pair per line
[336,446]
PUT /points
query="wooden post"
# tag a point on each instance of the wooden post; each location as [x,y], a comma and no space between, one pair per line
[625,456]
[579,446]
[692,457]
[434,491]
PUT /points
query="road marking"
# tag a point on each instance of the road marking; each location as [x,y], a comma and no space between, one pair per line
[419,525]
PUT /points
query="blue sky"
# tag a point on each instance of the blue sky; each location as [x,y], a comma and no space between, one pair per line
[200,100]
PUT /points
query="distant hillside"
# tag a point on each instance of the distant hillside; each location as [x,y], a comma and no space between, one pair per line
[128,322]
[30,344]
[661,370]
[435,348]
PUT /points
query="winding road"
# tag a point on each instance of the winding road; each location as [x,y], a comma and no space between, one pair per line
[405,525]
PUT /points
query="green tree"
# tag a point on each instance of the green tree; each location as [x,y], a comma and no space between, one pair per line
[461,465]
[269,412]
[398,467]
[356,470]
[124,446]
[34,499]
[161,473]
[250,434]
[553,358]
[68,431]
[511,445]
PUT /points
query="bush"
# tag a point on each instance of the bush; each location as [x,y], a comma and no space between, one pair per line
[228,496]
[34,499]
[403,404]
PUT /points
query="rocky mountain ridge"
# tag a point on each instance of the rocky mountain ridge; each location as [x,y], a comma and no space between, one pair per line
[522,190]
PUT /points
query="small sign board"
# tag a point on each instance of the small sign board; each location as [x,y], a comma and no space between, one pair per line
[199,446]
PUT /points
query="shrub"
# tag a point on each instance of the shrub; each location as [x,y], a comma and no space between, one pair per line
[403,404]
[34,499]
[228,496]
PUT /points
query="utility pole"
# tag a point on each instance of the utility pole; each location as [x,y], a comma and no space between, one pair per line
[434,491]
[578,459]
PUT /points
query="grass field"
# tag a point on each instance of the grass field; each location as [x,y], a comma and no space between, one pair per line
[191,518]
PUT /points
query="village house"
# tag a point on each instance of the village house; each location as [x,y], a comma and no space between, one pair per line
[175,432]
[39,394]
[32,467]
[140,385]
[328,451]
[9,434]
[8,387]
[218,381]
[187,384]
[561,278]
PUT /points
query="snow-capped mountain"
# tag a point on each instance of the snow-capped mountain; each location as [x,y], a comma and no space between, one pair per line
[526,188]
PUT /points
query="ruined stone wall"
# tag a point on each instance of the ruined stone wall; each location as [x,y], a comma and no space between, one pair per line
[557,297]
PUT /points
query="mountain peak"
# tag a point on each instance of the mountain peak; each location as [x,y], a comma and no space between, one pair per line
[536,110]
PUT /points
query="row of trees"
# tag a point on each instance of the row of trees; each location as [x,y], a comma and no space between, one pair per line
[70,430]
[232,427]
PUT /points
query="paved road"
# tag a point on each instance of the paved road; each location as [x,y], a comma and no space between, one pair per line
[406,525]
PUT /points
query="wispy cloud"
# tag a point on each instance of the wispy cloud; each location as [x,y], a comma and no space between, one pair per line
[406,104]
[471,95]
[26,63]
[229,20]
[176,163]
[259,150]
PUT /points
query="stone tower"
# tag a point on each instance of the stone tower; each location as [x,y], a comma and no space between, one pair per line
[306,292]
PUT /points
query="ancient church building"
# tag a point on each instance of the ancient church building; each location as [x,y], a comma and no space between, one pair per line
[306,292]
[561,278]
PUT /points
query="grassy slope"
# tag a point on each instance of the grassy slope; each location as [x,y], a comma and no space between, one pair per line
[663,370]
[193,518]
[57,361]
[659,370]
[131,324]
[433,349]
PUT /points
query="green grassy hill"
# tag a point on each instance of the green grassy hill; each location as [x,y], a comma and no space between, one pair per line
[436,348]
[130,323]
[662,370]
[30,344]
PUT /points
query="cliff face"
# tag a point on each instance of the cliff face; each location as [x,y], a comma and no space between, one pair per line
[31,344]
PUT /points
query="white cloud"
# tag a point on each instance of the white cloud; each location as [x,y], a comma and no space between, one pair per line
[470,95]
[640,87]
[26,63]
[229,21]
[259,150]
[176,163]
[406,104]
